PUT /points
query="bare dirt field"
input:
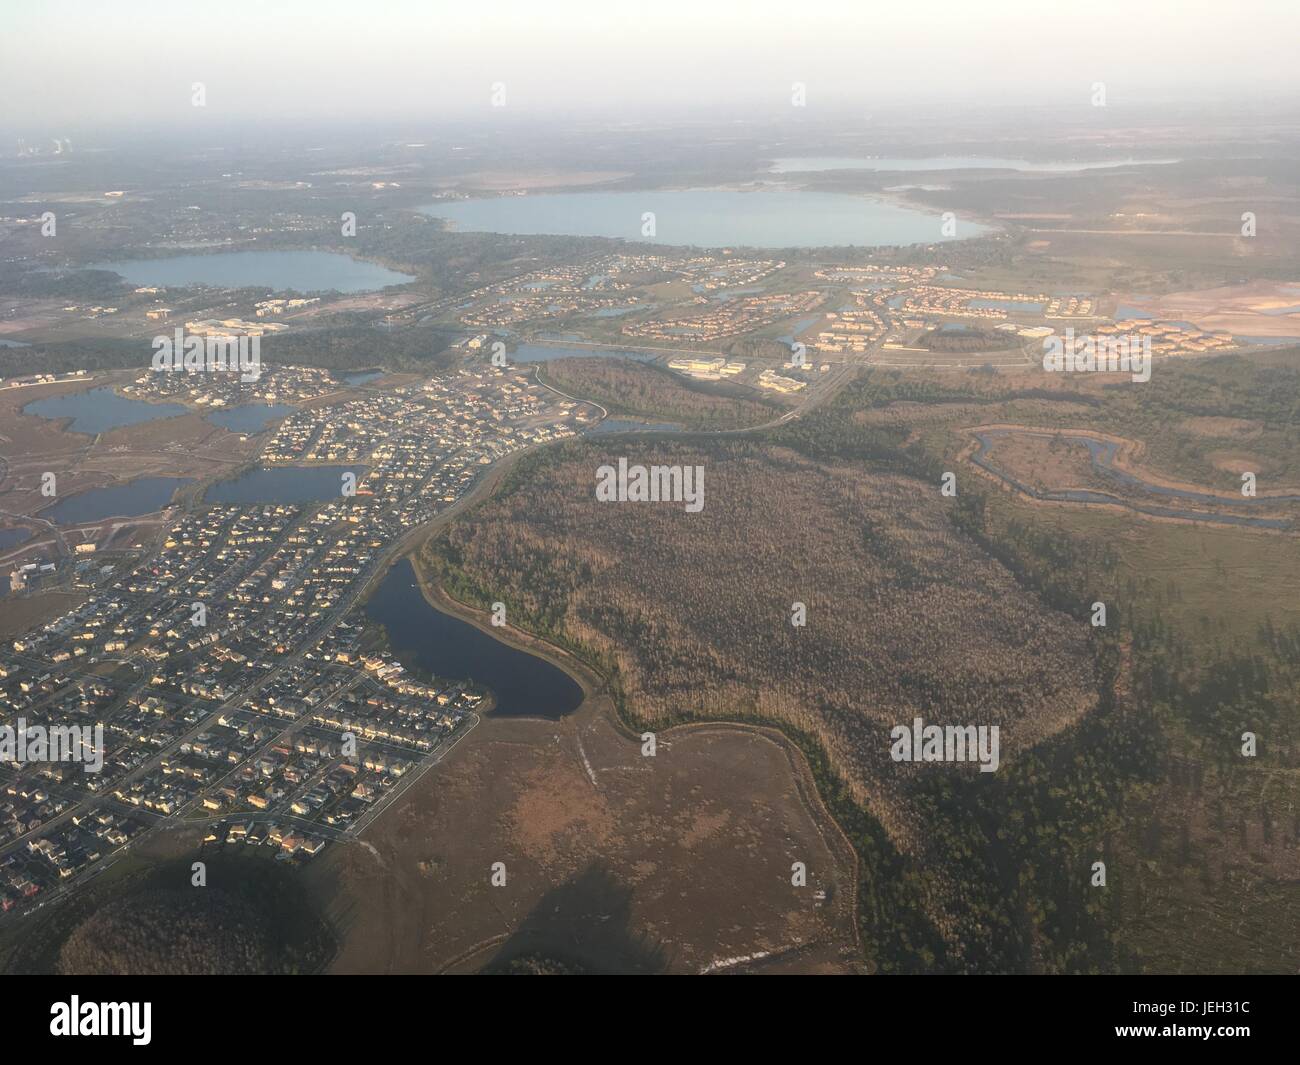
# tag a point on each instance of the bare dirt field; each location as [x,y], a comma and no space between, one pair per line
[1261,308]
[1045,463]
[19,615]
[1235,461]
[614,861]
[1223,428]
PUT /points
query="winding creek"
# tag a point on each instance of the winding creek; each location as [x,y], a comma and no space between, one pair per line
[1102,454]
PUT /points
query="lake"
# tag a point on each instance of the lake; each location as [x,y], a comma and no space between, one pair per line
[141,496]
[445,646]
[281,271]
[250,417]
[283,484]
[101,409]
[813,163]
[710,218]
[13,537]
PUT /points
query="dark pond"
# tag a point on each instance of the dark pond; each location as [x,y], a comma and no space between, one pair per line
[100,409]
[445,646]
[250,417]
[144,495]
[283,484]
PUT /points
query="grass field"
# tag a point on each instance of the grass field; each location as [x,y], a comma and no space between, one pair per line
[614,861]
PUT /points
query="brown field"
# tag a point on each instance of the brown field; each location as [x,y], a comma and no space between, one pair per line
[1235,461]
[27,315]
[1046,464]
[615,862]
[1223,428]
[368,301]
[19,615]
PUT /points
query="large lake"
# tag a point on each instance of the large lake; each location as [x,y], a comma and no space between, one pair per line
[811,163]
[711,218]
[283,484]
[446,646]
[100,409]
[141,496]
[283,271]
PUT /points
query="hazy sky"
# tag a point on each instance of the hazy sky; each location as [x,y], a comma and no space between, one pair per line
[131,62]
